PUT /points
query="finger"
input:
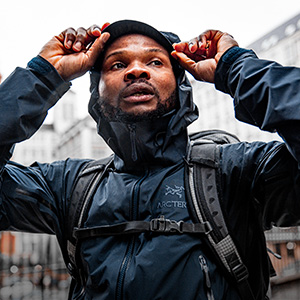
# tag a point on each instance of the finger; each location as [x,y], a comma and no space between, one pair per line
[97,47]
[186,62]
[210,34]
[203,70]
[211,49]
[69,37]
[94,31]
[193,49]
[209,40]
[181,47]
[197,55]
[184,48]
[82,39]
[203,37]
[193,45]
[105,25]
[203,42]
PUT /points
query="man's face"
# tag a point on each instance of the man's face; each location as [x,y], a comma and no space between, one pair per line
[137,77]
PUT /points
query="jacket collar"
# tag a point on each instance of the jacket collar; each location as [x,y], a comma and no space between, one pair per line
[149,143]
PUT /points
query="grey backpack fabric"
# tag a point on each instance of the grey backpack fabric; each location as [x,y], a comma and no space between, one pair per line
[203,198]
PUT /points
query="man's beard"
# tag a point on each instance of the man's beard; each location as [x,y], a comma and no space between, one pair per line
[112,113]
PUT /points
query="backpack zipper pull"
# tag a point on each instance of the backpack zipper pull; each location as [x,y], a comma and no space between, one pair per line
[205,269]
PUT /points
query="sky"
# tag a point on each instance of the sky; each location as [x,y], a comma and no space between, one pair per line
[25,26]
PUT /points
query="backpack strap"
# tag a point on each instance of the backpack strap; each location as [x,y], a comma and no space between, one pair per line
[203,198]
[157,225]
[80,200]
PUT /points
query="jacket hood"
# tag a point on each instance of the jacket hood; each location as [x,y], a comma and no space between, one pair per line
[160,141]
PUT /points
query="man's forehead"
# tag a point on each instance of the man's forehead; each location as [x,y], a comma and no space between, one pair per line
[124,27]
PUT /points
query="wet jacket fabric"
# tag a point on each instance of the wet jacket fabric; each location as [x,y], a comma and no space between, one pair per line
[259,182]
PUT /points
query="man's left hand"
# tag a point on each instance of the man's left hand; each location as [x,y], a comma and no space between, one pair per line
[200,55]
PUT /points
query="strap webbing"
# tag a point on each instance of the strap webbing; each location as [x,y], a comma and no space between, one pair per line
[201,180]
[158,225]
[82,194]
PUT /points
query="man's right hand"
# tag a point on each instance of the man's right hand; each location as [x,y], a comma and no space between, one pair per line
[73,53]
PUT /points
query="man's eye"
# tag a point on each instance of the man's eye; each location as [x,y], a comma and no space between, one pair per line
[117,66]
[156,63]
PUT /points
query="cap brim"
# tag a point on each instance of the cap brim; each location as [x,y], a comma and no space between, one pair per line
[125,27]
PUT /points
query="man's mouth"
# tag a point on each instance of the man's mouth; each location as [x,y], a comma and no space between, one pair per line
[138,92]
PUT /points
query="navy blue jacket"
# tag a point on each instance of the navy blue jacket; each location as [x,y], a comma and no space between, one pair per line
[259,182]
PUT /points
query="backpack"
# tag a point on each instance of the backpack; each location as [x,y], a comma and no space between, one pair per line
[201,168]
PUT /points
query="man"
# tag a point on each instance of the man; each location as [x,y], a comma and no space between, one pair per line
[142,103]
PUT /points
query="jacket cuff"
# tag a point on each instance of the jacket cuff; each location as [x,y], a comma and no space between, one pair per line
[224,65]
[40,65]
[48,74]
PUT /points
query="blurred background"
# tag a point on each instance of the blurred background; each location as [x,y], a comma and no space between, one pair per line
[31,266]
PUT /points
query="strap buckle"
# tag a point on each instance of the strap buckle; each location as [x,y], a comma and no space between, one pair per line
[165,225]
[240,272]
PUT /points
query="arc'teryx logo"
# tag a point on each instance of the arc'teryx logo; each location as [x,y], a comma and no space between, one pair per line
[177,190]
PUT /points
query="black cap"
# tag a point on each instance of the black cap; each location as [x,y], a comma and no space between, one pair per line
[124,27]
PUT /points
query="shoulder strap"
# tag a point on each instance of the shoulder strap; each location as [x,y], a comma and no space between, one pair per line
[79,203]
[202,196]
[216,135]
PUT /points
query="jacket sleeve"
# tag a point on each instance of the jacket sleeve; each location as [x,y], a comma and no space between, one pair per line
[29,196]
[265,94]
[35,198]
[25,97]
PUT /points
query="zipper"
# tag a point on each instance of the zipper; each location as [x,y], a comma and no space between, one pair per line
[130,249]
[132,131]
[124,267]
[205,269]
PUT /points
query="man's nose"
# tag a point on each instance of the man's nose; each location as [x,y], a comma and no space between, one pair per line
[137,71]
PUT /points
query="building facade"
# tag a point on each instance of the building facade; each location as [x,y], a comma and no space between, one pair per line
[81,141]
